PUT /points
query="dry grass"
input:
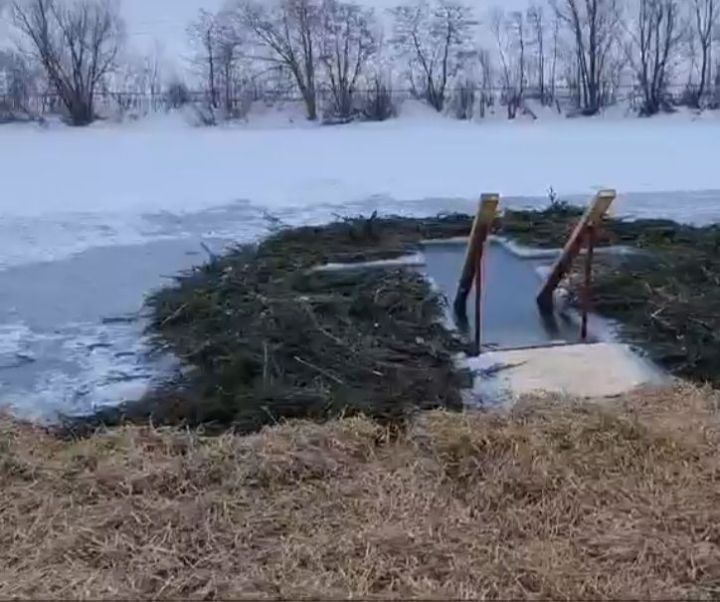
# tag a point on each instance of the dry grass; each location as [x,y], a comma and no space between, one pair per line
[551,501]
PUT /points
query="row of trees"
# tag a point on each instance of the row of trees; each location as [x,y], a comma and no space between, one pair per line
[660,41]
[306,43]
[443,51]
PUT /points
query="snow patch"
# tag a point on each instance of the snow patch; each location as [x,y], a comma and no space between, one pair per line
[77,370]
[414,260]
[577,371]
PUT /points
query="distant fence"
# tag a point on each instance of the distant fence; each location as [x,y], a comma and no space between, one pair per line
[109,103]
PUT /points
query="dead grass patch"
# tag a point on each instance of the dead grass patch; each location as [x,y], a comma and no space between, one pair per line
[553,500]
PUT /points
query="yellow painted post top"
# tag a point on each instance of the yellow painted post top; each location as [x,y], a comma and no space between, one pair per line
[489,203]
[593,214]
[600,205]
[486,212]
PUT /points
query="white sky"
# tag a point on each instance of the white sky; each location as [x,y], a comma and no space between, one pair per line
[160,26]
[164,22]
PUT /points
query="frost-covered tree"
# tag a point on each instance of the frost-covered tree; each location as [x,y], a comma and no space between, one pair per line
[435,38]
[18,82]
[510,33]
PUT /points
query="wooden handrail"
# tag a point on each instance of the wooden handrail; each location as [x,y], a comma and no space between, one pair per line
[592,217]
[471,272]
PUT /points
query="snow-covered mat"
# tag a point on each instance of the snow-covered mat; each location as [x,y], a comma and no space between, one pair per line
[580,371]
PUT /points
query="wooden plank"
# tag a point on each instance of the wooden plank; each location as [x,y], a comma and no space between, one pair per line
[487,210]
[592,216]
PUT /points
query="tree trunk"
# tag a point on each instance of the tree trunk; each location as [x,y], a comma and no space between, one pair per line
[211,81]
[703,74]
[310,104]
[80,110]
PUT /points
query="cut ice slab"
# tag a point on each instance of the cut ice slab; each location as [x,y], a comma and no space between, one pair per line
[579,371]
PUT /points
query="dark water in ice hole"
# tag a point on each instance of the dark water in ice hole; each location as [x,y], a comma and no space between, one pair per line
[510,316]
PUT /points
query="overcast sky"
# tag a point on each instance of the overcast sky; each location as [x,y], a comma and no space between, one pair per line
[164,22]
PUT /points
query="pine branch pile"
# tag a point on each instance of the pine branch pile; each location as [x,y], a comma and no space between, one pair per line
[265,336]
[667,299]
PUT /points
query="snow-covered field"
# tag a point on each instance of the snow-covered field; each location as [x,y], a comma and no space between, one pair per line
[91,219]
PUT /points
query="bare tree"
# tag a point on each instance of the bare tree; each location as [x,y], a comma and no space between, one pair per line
[77,44]
[536,22]
[553,64]
[219,42]
[485,77]
[657,36]
[144,75]
[229,41]
[377,103]
[136,83]
[153,74]
[204,33]
[517,25]
[510,36]
[705,19]
[348,41]
[435,40]
[290,31]
[593,25]
[18,82]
